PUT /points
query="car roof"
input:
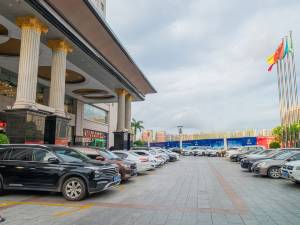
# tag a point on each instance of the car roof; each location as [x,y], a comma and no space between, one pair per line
[24,145]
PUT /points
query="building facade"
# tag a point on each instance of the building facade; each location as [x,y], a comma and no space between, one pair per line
[160,136]
[147,136]
[63,85]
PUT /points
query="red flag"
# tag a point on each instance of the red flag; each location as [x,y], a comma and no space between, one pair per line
[279,52]
[270,67]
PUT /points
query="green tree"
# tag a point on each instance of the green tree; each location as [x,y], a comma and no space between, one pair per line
[136,126]
[278,133]
[274,144]
[139,143]
[4,139]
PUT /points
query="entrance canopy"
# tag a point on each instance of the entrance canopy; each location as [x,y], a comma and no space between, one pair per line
[98,65]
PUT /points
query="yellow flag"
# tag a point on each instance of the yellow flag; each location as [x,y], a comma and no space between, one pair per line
[270,59]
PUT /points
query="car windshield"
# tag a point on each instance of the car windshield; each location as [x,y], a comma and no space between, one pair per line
[264,152]
[284,156]
[272,153]
[109,155]
[152,152]
[134,154]
[70,155]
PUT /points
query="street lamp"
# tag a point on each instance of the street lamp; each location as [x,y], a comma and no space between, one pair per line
[180,136]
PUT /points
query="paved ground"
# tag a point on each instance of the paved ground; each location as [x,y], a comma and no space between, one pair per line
[191,191]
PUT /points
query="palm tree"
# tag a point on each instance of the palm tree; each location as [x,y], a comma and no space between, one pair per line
[136,126]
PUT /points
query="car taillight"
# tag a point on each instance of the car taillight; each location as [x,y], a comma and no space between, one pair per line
[144,159]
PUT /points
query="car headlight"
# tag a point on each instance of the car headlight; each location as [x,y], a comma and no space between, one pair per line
[92,168]
[96,171]
[262,164]
[127,166]
[297,168]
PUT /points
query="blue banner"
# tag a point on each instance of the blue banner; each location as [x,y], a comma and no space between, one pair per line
[213,143]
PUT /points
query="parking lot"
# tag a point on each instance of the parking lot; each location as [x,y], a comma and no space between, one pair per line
[194,190]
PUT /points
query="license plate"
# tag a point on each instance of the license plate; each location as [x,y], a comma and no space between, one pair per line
[285,174]
[116,178]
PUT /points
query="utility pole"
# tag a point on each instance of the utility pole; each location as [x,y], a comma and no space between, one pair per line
[180,136]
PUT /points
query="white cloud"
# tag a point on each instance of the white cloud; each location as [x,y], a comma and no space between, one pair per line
[206,59]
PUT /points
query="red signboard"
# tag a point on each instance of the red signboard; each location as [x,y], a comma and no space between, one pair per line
[93,134]
[264,141]
[2,124]
[61,141]
[90,135]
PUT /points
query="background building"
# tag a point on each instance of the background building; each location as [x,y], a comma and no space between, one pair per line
[147,135]
[160,136]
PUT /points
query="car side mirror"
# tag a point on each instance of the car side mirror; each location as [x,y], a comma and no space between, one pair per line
[100,158]
[53,160]
[288,160]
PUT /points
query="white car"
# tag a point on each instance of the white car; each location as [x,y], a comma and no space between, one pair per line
[291,171]
[160,154]
[211,152]
[142,162]
[155,161]
[186,152]
[171,154]
[243,149]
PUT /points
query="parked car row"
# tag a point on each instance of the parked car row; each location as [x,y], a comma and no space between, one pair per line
[203,151]
[273,163]
[76,172]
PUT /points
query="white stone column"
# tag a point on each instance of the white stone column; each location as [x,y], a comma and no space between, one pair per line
[128,100]
[60,49]
[31,29]
[121,110]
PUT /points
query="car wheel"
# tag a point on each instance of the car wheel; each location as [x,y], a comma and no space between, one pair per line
[1,188]
[74,189]
[274,172]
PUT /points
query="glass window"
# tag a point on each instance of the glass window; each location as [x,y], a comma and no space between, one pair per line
[70,155]
[284,156]
[108,155]
[42,155]
[95,114]
[2,153]
[134,154]
[69,105]
[21,154]
[296,157]
[121,155]
[141,153]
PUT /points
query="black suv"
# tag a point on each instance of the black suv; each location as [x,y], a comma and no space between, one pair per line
[54,168]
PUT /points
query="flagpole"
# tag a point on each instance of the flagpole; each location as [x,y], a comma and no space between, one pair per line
[295,80]
[285,117]
[292,96]
[280,94]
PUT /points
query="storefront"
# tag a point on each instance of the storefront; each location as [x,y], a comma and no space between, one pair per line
[95,138]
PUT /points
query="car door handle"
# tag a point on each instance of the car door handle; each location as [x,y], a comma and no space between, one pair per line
[19,167]
[2,166]
[32,168]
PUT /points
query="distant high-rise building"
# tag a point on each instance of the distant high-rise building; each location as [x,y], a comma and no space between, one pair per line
[147,135]
[160,136]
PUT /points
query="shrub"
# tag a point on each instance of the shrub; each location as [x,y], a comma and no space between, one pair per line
[4,139]
[274,144]
[139,143]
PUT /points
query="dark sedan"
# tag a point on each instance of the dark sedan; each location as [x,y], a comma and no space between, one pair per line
[248,162]
[54,168]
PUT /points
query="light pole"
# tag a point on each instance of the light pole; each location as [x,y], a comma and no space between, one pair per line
[180,136]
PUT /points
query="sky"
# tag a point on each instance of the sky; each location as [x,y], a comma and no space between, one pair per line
[206,59]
